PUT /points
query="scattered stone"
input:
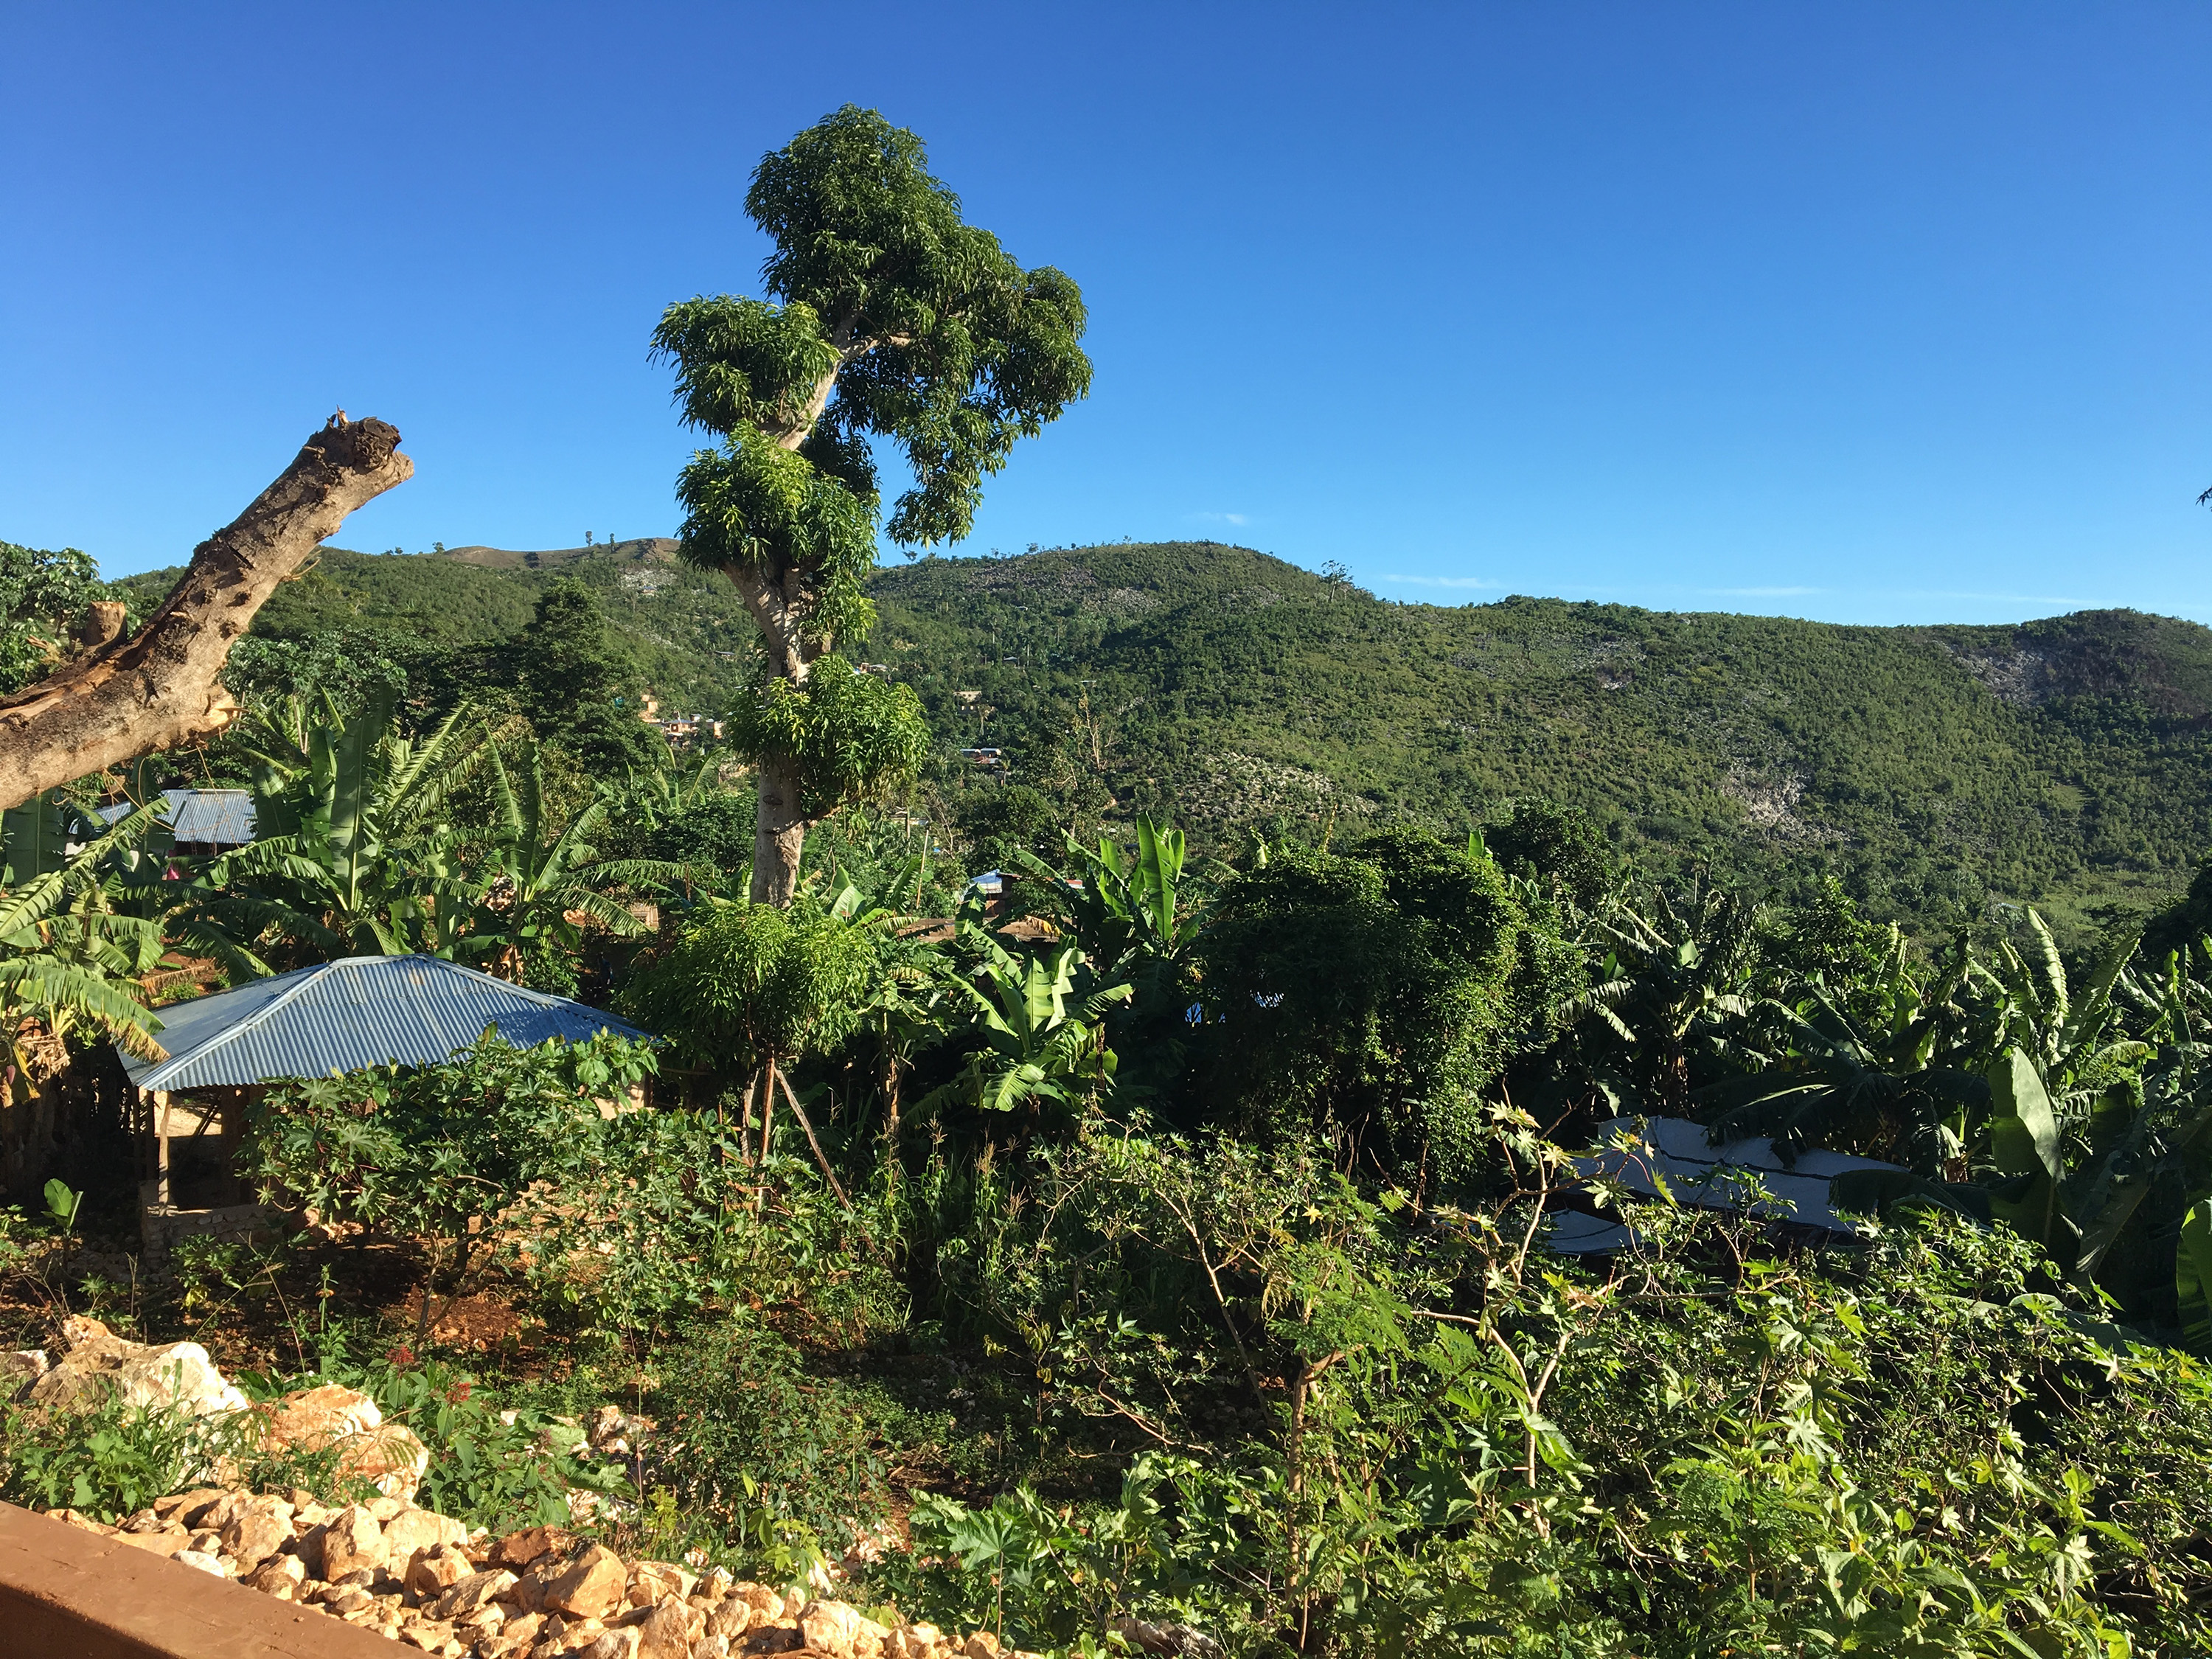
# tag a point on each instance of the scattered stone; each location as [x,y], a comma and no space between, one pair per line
[350,1541]
[413,1529]
[414,1576]
[668,1632]
[251,1529]
[389,1457]
[312,1419]
[99,1361]
[839,1628]
[186,1508]
[595,1585]
[654,1581]
[85,1523]
[280,1576]
[469,1594]
[430,1573]
[729,1619]
[348,1601]
[522,1549]
[168,1541]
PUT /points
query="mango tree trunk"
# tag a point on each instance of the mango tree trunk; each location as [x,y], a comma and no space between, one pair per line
[779,837]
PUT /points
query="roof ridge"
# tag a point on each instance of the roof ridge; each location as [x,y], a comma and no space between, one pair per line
[223,1033]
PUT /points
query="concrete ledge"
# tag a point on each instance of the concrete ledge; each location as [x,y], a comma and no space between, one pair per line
[69,1593]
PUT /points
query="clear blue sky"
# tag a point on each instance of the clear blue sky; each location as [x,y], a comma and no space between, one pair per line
[1873,313]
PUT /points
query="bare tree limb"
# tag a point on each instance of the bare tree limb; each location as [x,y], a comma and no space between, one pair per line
[163,686]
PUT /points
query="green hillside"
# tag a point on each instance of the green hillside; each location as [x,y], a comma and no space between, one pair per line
[687,630]
[2067,762]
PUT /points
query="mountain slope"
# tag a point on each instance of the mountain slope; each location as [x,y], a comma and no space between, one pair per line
[2066,761]
[688,630]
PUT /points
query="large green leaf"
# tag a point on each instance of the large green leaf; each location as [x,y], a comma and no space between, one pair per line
[2024,1134]
[2192,1277]
[38,835]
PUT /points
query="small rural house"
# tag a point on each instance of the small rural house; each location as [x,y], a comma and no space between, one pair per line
[204,822]
[189,1110]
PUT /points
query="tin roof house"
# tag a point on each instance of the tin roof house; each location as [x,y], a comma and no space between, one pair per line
[200,822]
[342,1015]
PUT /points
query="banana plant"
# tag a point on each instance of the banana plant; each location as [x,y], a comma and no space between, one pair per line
[652,799]
[527,921]
[67,959]
[1896,1091]
[1675,995]
[1040,1041]
[2192,1277]
[1126,907]
[350,852]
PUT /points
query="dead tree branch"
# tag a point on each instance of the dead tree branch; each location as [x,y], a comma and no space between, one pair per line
[162,687]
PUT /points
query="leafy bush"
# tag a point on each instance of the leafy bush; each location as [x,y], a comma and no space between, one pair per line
[488,1468]
[442,1152]
[748,1440]
[110,1459]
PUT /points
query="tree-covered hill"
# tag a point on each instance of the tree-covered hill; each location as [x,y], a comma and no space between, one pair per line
[2065,761]
[685,629]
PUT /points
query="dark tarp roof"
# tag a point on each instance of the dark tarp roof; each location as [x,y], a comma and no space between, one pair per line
[343,1016]
[1703,1175]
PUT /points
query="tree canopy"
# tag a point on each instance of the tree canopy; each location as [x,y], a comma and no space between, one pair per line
[887,317]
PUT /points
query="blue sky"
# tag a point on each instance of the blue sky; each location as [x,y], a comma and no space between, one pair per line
[1869,312]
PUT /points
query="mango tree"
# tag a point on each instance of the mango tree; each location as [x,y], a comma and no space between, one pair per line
[887,317]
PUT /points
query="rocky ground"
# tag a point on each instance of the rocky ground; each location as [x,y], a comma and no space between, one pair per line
[422,1578]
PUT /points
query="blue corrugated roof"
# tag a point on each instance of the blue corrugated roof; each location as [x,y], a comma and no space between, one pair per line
[201,817]
[354,1012]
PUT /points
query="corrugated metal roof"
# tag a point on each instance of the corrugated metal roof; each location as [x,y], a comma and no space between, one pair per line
[1709,1177]
[354,1012]
[201,817]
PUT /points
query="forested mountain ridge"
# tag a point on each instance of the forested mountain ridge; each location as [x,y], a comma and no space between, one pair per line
[2066,761]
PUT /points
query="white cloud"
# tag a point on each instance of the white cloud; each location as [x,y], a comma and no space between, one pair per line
[1223,518]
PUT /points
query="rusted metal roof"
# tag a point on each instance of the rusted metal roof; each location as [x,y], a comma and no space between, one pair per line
[355,1012]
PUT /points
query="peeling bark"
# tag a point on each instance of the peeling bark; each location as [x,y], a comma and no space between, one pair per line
[163,686]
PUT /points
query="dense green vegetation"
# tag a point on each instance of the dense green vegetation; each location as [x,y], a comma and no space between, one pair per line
[1168,1240]
[1166,1237]
[452,620]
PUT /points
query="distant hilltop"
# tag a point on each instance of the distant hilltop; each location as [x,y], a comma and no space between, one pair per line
[645,550]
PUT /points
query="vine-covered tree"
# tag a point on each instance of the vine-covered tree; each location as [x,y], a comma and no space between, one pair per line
[887,317]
